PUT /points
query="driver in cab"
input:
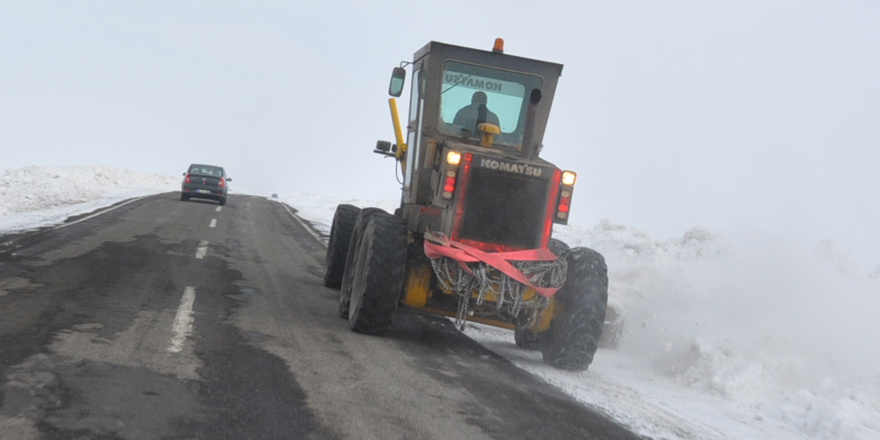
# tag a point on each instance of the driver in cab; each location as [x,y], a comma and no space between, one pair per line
[470,116]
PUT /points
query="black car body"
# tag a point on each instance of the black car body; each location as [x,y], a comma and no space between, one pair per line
[205,182]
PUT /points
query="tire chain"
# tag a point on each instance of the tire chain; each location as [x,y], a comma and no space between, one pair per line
[509,292]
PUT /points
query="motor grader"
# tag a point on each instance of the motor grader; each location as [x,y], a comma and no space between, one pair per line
[472,236]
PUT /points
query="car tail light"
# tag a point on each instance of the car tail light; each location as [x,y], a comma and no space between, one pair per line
[222,182]
[187,179]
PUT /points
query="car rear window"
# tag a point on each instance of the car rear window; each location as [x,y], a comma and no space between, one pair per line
[206,171]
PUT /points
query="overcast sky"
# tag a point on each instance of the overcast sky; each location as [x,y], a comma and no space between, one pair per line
[731,115]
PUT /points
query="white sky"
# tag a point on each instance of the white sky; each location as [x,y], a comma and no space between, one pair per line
[737,115]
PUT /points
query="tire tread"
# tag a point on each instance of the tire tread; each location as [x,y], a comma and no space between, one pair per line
[341,230]
[384,270]
[573,337]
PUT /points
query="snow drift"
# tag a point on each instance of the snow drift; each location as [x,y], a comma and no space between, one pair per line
[37,196]
[781,328]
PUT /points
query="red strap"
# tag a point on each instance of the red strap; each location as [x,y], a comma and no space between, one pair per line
[499,260]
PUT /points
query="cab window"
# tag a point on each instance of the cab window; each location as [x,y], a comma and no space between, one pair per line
[472,94]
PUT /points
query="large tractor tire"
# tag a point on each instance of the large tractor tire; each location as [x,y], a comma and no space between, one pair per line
[573,336]
[525,337]
[380,268]
[558,247]
[357,234]
[337,248]
[522,334]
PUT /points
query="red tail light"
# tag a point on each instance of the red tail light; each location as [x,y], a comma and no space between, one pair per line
[552,208]
[187,179]
[566,187]
[462,187]
[222,182]
[449,184]
[564,201]
[453,159]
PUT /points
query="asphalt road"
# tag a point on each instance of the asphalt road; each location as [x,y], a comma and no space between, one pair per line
[163,319]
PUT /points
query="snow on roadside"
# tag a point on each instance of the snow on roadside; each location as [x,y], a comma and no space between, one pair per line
[36,196]
[318,210]
[782,333]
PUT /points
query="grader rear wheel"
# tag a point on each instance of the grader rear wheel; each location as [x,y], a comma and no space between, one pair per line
[357,234]
[526,338]
[379,273]
[337,247]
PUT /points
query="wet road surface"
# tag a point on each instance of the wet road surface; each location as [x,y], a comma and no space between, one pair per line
[163,319]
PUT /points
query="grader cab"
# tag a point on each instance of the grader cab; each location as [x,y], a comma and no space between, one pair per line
[472,236]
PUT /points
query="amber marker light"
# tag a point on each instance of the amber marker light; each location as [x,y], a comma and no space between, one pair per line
[453,158]
[499,46]
[568,178]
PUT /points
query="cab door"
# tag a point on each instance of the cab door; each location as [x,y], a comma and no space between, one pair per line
[413,137]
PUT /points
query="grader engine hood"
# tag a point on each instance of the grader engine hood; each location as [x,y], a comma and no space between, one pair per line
[504,204]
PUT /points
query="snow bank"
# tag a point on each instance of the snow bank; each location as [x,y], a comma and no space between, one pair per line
[34,196]
[319,210]
[783,330]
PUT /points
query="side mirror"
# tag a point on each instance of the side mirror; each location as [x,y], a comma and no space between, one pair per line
[229,179]
[398,77]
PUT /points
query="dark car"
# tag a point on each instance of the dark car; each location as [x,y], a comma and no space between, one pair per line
[205,182]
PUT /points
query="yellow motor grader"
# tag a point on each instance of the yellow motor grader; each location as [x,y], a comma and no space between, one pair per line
[472,236]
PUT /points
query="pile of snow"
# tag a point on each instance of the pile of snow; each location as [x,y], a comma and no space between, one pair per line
[783,331]
[722,336]
[33,197]
[318,210]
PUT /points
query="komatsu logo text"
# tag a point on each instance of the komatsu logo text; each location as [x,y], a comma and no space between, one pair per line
[472,82]
[510,167]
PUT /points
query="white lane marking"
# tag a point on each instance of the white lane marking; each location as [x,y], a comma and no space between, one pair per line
[304,225]
[213,223]
[183,321]
[100,212]
[202,249]
[219,208]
